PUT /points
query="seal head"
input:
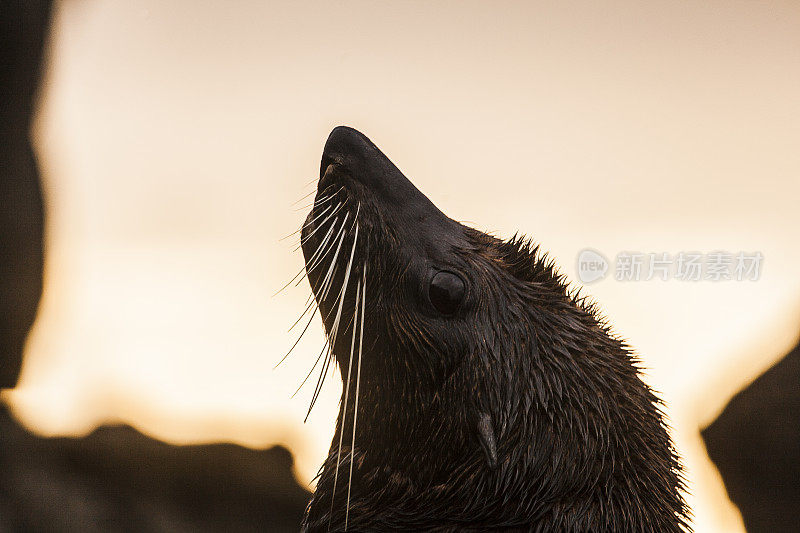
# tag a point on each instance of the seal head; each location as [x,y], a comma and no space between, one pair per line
[480,392]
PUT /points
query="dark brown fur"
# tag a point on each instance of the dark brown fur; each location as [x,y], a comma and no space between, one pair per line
[519,410]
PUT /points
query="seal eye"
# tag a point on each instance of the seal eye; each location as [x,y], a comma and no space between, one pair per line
[446,292]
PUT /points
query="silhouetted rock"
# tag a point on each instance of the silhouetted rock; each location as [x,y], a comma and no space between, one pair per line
[117,479]
[755,444]
[23,28]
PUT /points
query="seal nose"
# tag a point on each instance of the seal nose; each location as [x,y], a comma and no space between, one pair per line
[353,164]
[344,145]
[350,153]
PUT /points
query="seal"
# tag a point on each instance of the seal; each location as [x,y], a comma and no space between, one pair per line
[480,391]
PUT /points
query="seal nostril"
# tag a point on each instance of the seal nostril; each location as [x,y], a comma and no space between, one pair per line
[327,173]
[327,162]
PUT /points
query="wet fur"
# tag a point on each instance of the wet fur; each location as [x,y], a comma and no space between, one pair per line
[522,411]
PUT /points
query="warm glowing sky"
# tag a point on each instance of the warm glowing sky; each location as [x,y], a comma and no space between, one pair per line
[175,136]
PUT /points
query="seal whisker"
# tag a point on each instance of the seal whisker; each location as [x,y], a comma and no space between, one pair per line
[307,223]
[310,302]
[324,195]
[323,248]
[339,299]
[340,238]
[321,224]
[344,288]
[325,346]
[337,191]
[335,329]
[302,333]
[309,306]
[346,396]
[325,286]
[358,384]
[321,379]
[328,281]
[332,268]
[317,201]
[303,273]
[303,198]
[319,259]
[304,207]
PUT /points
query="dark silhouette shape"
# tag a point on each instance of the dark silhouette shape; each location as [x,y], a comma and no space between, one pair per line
[755,444]
[489,396]
[117,479]
[23,29]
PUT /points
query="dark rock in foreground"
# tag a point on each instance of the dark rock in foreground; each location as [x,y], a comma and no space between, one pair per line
[755,444]
[23,27]
[117,479]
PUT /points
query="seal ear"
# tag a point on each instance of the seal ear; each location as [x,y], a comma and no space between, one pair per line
[486,438]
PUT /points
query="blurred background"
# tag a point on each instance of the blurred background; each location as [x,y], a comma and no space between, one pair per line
[174,138]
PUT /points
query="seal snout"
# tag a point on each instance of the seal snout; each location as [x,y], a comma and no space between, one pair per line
[352,156]
[343,145]
[349,157]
